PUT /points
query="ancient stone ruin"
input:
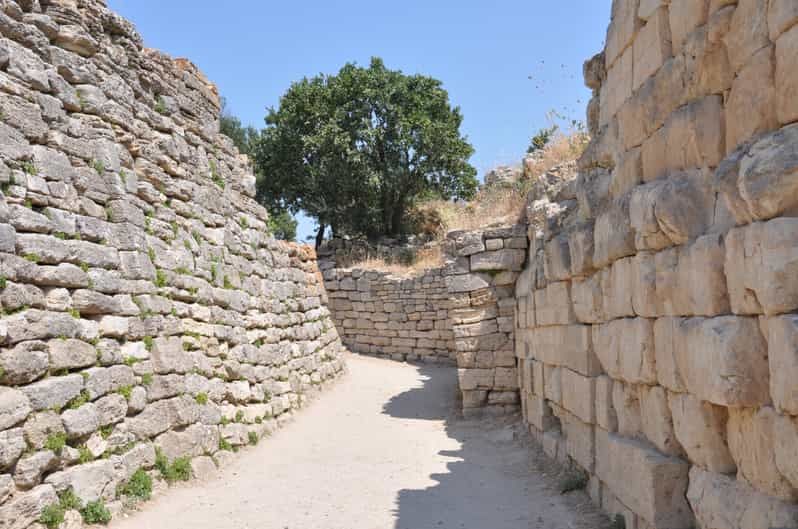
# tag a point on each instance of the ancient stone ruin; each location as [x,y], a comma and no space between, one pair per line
[145,306]
[654,332]
[642,316]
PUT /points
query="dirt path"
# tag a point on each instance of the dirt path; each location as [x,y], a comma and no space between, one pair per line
[380,450]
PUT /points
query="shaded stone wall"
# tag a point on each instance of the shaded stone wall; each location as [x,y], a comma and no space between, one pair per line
[144,304]
[656,318]
[460,313]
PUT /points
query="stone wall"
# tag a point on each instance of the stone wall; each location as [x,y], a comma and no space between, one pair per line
[461,313]
[656,319]
[145,307]
[405,318]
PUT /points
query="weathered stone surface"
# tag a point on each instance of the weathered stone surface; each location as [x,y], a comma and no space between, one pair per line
[657,422]
[24,363]
[24,509]
[90,482]
[760,259]
[732,369]
[751,108]
[652,46]
[786,80]
[625,348]
[782,340]
[71,354]
[725,503]
[701,429]
[12,444]
[81,421]
[53,392]
[652,485]
[579,395]
[752,441]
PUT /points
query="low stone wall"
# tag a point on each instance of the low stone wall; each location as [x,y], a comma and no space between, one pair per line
[403,318]
[656,319]
[461,313]
[147,314]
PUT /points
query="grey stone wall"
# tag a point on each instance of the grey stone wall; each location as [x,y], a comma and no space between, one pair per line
[656,319]
[461,313]
[145,307]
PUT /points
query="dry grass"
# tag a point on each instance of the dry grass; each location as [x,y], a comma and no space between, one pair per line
[505,204]
[426,259]
[491,206]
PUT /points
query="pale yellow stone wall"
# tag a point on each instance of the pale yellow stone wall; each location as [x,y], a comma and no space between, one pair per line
[656,325]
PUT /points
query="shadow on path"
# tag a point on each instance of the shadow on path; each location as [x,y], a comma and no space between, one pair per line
[497,479]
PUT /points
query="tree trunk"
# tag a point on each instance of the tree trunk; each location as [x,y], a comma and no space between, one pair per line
[397,216]
[320,235]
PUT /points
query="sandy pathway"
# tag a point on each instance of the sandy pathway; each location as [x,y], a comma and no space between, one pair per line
[380,450]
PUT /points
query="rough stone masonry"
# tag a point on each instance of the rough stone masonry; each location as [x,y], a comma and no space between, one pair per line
[460,313]
[656,325]
[145,307]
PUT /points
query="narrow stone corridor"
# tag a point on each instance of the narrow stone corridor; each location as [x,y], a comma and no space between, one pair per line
[381,450]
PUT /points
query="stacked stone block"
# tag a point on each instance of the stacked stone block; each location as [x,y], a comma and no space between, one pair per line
[145,307]
[656,317]
[461,313]
[480,278]
[402,318]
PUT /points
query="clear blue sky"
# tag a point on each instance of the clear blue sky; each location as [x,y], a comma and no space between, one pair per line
[483,51]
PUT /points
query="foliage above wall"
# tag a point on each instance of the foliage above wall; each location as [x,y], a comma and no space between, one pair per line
[355,149]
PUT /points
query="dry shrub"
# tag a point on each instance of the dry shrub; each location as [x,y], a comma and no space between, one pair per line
[505,204]
[425,259]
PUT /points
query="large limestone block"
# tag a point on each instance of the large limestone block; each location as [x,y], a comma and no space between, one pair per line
[706,60]
[587,299]
[625,348]
[760,266]
[786,447]
[652,47]
[701,429]
[553,304]
[751,435]
[767,174]
[623,28]
[748,32]
[580,246]
[90,482]
[613,234]
[782,15]
[579,439]
[685,17]
[557,264]
[552,383]
[505,259]
[605,410]
[626,403]
[644,285]
[731,369]
[579,395]
[471,379]
[652,485]
[567,346]
[617,286]
[539,413]
[783,361]
[657,421]
[668,212]
[689,280]
[787,76]
[721,502]
[751,106]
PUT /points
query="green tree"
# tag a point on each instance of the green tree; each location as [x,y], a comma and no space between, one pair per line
[281,223]
[355,150]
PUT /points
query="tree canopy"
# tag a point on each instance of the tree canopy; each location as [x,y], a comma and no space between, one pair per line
[281,223]
[357,149]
